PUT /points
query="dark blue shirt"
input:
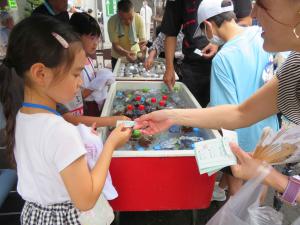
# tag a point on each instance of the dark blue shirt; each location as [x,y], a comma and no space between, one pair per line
[41,9]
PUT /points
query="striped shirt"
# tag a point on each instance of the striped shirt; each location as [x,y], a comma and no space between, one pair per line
[288,99]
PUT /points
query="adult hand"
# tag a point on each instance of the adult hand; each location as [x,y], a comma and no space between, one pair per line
[149,62]
[154,122]
[143,46]
[247,166]
[169,78]
[209,51]
[131,56]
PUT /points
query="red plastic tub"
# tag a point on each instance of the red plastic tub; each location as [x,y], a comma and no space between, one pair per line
[158,180]
[160,183]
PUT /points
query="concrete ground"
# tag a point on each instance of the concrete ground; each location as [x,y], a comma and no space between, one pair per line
[186,217]
[157,218]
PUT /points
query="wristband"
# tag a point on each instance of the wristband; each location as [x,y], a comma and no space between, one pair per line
[291,192]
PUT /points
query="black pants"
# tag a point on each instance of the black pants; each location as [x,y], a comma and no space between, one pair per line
[196,76]
[113,63]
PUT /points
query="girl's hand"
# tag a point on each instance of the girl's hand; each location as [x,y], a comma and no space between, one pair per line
[154,122]
[119,136]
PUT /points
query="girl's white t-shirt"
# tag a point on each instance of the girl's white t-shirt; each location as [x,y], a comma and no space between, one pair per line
[45,145]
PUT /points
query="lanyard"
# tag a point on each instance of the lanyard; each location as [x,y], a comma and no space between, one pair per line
[38,106]
[87,73]
[49,8]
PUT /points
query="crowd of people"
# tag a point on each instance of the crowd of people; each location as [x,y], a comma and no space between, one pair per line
[47,87]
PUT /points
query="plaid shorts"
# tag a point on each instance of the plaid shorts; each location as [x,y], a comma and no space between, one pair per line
[57,214]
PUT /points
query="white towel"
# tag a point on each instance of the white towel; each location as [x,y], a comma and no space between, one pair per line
[100,84]
[132,30]
[94,145]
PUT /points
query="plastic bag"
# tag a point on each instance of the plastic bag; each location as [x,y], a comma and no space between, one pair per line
[279,148]
[101,214]
[243,208]
[296,222]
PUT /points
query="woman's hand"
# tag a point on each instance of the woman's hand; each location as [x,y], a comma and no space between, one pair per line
[247,166]
[154,122]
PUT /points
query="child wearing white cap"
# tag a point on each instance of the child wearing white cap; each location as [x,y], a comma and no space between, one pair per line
[236,69]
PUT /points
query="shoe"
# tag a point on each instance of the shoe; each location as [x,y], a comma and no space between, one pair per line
[219,194]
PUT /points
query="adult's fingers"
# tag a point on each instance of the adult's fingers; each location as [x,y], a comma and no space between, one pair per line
[140,125]
[239,153]
[169,82]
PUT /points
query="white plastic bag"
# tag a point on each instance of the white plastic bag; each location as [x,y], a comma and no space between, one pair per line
[243,208]
[93,144]
[296,222]
[101,214]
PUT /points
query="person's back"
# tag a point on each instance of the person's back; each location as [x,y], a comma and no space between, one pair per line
[236,74]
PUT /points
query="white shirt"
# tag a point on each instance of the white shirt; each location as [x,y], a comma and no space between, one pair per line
[76,105]
[146,14]
[100,84]
[88,74]
[45,145]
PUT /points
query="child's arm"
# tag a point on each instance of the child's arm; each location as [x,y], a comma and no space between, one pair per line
[84,186]
[90,120]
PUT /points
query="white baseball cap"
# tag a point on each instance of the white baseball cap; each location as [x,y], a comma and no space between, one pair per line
[210,8]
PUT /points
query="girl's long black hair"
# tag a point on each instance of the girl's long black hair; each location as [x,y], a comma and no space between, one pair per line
[31,41]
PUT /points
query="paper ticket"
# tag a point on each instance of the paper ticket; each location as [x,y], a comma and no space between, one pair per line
[127,123]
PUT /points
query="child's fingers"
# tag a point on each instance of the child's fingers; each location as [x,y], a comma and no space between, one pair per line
[120,127]
[127,131]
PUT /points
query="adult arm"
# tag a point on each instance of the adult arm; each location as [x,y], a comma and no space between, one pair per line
[170,47]
[259,106]
[171,25]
